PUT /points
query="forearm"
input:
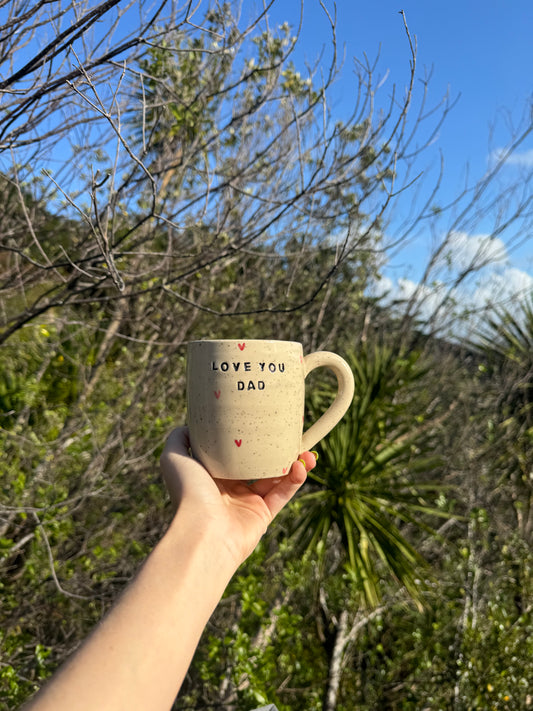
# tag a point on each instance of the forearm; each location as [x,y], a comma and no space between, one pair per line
[138,656]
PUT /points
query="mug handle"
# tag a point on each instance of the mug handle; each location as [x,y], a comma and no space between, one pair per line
[342,402]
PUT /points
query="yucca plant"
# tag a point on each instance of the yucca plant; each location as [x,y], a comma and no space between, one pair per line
[506,341]
[506,344]
[372,480]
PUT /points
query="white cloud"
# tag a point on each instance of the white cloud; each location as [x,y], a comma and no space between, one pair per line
[503,286]
[430,295]
[473,273]
[459,310]
[382,287]
[523,159]
[426,299]
[464,251]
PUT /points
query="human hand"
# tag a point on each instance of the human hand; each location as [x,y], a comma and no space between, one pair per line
[241,511]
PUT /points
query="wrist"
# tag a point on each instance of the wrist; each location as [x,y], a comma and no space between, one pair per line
[191,537]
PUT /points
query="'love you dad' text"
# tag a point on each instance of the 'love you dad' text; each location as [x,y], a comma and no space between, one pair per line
[248,367]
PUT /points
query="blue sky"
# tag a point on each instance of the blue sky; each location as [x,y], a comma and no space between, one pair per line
[479,52]
[482,51]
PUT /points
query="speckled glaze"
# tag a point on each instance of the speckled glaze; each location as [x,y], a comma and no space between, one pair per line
[245,403]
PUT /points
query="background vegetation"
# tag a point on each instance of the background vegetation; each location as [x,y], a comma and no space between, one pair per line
[179,177]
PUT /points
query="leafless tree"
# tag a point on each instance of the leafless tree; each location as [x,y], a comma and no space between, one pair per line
[182,145]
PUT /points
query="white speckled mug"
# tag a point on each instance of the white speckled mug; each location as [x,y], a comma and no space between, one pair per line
[245,403]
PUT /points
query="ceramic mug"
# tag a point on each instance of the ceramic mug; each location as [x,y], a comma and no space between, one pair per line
[245,401]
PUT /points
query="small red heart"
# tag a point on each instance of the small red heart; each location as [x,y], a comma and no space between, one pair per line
[217,394]
[242,346]
[238,442]
[284,470]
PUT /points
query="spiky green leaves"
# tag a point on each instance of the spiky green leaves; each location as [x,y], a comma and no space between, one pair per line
[374,482]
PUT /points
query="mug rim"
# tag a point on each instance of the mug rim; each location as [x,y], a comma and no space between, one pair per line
[242,340]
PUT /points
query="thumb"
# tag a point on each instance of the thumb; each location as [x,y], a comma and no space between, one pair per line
[281,493]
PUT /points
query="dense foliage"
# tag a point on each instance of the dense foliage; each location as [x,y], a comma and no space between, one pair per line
[222,197]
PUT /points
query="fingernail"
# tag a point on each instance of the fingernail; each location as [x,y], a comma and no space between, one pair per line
[315,453]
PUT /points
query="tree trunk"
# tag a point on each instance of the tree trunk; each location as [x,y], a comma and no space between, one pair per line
[335,667]
[345,637]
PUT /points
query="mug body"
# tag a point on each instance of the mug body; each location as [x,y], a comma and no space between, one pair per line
[245,402]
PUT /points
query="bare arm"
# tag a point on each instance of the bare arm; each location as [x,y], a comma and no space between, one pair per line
[138,656]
